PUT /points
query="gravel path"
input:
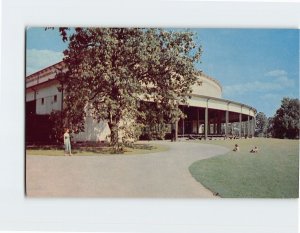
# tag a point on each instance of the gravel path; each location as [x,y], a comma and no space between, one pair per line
[163,174]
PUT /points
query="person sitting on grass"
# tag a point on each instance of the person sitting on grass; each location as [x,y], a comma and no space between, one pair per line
[236,148]
[254,150]
[67,142]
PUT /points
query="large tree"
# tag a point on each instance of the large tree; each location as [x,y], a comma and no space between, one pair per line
[110,71]
[261,124]
[285,123]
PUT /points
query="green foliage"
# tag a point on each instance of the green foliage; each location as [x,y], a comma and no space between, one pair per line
[110,71]
[155,120]
[261,124]
[285,123]
[57,130]
[155,132]
[270,127]
[59,122]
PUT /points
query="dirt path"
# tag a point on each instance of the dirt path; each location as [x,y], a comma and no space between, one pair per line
[163,174]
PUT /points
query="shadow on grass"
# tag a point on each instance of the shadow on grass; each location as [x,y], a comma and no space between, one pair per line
[94,148]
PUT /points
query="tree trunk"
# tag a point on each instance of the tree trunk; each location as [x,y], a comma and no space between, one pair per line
[114,137]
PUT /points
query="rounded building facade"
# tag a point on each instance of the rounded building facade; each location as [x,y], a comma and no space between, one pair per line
[207,114]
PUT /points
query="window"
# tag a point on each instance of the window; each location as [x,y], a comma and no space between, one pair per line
[55,98]
[42,101]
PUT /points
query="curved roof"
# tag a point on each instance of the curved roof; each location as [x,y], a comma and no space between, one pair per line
[201,73]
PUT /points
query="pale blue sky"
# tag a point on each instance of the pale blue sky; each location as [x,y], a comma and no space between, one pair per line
[257,67]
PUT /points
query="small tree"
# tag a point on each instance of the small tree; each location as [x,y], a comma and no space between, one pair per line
[261,124]
[270,127]
[57,130]
[286,119]
[154,120]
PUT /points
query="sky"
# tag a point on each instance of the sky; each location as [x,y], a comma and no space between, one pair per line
[257,67]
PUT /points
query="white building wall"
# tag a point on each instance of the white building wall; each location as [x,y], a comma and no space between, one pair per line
[217,104]
[234,107]
[220,104]
[245,110]
[196,101]
[94,131]
[40,79]
[29,96]
[207,87]
[47,95]
[252,113]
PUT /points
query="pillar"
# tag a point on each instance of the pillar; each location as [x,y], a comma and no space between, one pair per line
[253,126]
[197,120]
[183,124]
[244,128]
[248,128]
[176,130]
[206,122]
[226,122]
[219,122]
[240,125]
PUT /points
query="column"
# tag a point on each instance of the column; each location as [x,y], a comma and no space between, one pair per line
[219,122]
[226,123]
[253,126]
[240,125]
[198,120]
[183,123]
[214,125]
[176,130]
[248,128]
[206,122]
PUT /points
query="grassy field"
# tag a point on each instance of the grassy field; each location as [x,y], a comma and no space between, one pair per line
[139,148]
[273,172]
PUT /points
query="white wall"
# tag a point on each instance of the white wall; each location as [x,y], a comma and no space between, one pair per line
[94,131]
[209,87]
[220,104]
[38,79]
[29,96]
[48,93]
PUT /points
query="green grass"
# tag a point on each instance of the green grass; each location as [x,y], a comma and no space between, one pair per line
[139,148]
[273,172]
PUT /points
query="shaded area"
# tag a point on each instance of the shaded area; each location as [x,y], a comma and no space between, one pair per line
[201,123]
[93,149]
[37,127]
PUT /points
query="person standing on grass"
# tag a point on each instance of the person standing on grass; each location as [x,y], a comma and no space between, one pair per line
[67,142]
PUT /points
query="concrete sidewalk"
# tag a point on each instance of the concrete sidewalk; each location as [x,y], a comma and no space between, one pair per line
[163,174]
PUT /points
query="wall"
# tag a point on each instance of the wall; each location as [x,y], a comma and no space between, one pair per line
[220,104]
[94,131]
[47,93]
[208,87]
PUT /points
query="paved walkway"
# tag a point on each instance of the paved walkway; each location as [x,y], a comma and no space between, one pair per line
[163,174]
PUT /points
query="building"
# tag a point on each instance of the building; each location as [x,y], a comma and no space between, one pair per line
[208,114]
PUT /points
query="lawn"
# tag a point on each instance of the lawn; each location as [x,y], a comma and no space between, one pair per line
[138,148]
[273,172]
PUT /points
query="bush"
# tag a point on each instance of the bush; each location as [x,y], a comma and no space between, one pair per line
[57,129]
[155,132]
